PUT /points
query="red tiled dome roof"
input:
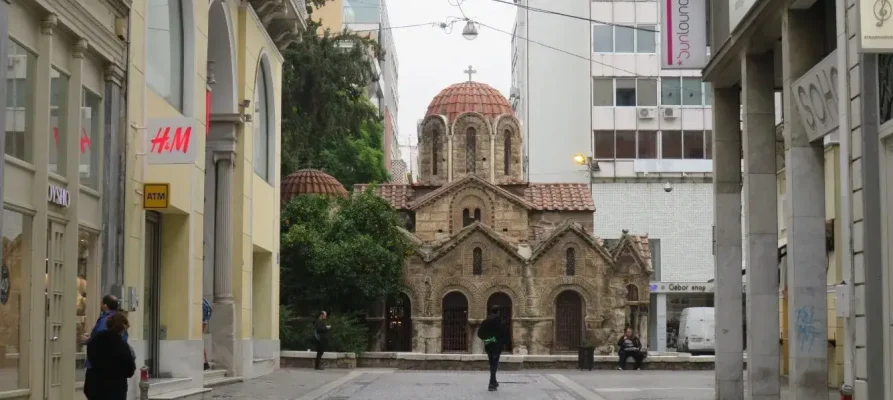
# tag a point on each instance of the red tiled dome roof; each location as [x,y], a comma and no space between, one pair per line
[310,181]
[469,96]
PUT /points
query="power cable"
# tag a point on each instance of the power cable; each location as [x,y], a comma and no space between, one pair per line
[595,21]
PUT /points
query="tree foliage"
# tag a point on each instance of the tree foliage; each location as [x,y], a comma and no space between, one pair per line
[327,121]
[340,254]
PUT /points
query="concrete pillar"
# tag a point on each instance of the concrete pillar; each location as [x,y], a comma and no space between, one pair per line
[761,224]
[4,35]
[112,237]
[223,322]
[727,255]
[804,219]
[660,309]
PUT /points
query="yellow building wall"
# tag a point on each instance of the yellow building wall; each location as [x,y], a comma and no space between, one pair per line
[331,15]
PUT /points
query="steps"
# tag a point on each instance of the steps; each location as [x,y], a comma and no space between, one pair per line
[175,388]
[217,377]
[185,394]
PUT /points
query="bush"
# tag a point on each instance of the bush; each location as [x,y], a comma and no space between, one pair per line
[347,333]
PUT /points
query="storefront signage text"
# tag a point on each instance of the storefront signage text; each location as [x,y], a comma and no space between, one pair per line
[58,196]
[685,34]
[681,287]
[170,140]
[156,196]
[815,94]
[876,26]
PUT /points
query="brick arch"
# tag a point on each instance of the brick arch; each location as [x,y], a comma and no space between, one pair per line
[586,289]
[507,124]
[468,257]
[466,197]
[431,126]
[512,289]
[452,284]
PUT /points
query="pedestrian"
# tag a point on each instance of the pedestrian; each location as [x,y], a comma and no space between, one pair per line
[108,308]
[630,346]
[111,360]
[493,332]
[321,334]
[206,318]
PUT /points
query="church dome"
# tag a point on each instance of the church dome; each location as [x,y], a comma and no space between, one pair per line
[310,181]
[469,97]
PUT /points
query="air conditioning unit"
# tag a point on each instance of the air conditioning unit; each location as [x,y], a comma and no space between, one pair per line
[671,113]
[646,113]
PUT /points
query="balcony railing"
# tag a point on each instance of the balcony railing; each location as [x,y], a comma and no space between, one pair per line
[284,20]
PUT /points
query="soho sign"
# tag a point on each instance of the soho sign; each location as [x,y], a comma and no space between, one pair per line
[815,94]
[58,196]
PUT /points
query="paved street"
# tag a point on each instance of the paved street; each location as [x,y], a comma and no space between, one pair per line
[367,384]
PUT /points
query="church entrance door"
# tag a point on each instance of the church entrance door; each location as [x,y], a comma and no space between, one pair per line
[399,320]
[505,308]
[568,321]
[454,328]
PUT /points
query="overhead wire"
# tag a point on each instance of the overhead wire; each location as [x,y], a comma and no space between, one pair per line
[595,21]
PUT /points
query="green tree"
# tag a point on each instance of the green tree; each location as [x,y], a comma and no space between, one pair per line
[327,121]
[340,254]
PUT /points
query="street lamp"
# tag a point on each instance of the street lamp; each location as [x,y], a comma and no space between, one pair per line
[586,161]
[470,32]
[580,159]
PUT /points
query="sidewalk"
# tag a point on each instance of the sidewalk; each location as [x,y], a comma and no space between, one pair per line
[284,384]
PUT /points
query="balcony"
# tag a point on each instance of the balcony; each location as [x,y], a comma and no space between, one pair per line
[284,20]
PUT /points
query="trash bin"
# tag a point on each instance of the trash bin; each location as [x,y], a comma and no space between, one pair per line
[585,358]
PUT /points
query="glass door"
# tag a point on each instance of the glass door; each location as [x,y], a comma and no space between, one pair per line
[55,286]
[151,331]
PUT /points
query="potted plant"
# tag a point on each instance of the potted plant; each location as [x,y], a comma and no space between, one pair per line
[586,354]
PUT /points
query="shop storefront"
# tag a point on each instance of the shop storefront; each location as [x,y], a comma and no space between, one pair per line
[62,70]
[668,299]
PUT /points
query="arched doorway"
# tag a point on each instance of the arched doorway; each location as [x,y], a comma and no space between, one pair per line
[454,327]
[505,309]
[568,321]
[398,314]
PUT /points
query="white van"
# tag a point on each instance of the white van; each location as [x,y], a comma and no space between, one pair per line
[696,330]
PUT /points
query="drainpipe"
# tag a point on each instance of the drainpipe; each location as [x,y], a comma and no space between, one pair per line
[844,130]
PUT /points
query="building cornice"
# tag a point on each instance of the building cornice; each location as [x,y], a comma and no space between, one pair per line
[756,33]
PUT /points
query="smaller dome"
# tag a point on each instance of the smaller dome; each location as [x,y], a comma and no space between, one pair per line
[310,181]
[469,96]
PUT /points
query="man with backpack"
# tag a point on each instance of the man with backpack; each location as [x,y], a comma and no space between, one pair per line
[493,333]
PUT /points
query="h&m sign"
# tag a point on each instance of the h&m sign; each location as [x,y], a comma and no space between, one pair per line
[815,95]
[58,196]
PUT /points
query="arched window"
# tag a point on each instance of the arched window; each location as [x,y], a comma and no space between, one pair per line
[477,260]
[477,214]
[164,60]
[261,122]
[507,153]
[466,218]
[570,262]
[632,293]
[435,152]
[470,150]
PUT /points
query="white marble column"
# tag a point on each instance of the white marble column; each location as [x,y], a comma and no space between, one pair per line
[729,368]
[804,220]
[223,321]
[761,225]
[661,329]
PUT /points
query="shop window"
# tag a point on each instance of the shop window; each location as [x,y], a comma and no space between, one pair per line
[89,144]
[646,92]
[261,121]
[625,92]
[58,117]
[14,290]
[647,144]
[669,91]
[625,144]
[602,92]
[693,144]
[87,297]
[19,86]
[604,144]
[692,92]
[671,145]
[164,60]
[477,261]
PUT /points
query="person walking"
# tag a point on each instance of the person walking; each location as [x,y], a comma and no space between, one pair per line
[321,333]
[111,360]
[206,318]
[493,333]
[108,308]
[630,346]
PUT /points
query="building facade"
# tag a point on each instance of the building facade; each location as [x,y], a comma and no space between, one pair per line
[139,187]
[647,130]
[486,237]
[829,179]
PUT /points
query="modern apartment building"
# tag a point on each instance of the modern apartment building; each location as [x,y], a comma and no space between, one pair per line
[647,131]
[371,17]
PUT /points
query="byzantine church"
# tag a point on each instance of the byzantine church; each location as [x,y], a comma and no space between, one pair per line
[484,237]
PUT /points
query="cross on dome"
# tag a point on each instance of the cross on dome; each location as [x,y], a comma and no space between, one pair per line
[470,71]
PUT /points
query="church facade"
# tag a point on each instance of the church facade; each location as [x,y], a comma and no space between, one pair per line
[485,237]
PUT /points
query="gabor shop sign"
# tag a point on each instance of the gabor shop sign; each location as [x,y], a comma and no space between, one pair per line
[681,287]
[684,44]
[815,95]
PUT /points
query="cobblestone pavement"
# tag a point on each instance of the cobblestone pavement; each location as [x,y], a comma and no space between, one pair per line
[368,384]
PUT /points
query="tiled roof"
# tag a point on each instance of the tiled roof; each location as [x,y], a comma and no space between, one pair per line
[469,96]
[310,181]
[398,195]
[560,196]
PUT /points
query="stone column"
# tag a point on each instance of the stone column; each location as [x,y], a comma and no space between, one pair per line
[761,224]
[660,310]
[4,35]
[223,322]
[112,237]
[727,253]
[804,219]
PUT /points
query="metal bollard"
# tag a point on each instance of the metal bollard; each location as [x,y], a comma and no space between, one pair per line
[846,392]
[144,383]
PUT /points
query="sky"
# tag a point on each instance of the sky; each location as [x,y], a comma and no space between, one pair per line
[431,59]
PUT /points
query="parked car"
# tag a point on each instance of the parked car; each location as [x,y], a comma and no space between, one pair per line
[696,331]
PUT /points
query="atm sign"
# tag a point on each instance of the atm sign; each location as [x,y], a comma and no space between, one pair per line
[156,196]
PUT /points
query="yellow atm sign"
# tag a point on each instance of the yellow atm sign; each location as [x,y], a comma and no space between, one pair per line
[156,196]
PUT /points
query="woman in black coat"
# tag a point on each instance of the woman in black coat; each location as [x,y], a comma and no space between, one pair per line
[111,362]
